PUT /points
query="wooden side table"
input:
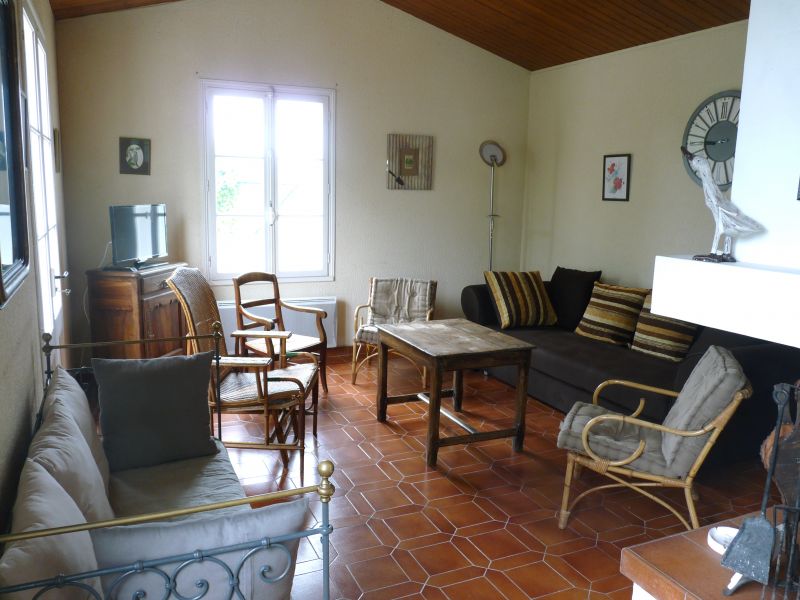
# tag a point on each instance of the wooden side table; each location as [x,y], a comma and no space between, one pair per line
[682,567]
[453,345]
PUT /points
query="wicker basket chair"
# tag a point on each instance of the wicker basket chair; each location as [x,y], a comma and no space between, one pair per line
[624,448]
[395,300]
[246,320]
[246,383]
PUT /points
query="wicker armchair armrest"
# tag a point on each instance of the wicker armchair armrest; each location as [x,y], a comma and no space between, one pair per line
[642,444]
[635,385]
[356,320]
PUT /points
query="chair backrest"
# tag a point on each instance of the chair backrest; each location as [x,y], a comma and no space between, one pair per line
[400,300]
[273,298]
[245,318]
[199,306]
[711,389]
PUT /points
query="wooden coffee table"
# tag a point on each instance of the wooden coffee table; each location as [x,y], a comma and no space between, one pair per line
[453,345]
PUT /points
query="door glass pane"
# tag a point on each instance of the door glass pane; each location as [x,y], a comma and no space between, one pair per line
[49,182]
[43,257]
[30,75]
[57,285]
[238,126]
[37,179]
[43,96]
[240,244]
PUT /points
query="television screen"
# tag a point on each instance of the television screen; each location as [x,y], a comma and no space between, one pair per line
[138,232]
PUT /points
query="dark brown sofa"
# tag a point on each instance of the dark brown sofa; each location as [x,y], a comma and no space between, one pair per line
[566,368]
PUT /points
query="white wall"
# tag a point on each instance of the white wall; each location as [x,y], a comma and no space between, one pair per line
[137,73]
[767,153]
[635,101]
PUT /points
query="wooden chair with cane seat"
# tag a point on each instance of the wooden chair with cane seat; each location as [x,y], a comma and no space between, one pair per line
[395,300]
[247,319]
[625,448]
[247,385]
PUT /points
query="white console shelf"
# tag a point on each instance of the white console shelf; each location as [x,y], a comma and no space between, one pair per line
[755,300]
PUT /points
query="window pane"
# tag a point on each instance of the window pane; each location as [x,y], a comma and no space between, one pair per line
[240,186]
[299,145]
[238,126]
[300,244]
[240,245]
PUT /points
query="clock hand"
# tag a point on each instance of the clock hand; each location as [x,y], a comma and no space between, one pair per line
[714,142]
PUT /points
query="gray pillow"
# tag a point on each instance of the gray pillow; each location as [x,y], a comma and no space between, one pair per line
[155,410]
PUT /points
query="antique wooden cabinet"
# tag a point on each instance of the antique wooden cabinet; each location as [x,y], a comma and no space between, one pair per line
[129,305]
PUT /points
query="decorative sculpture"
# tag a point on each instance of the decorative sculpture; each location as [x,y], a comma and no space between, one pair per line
[730,221]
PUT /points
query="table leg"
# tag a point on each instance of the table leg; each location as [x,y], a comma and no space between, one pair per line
[522,401]
[383,352]
[458,389]
[433,414]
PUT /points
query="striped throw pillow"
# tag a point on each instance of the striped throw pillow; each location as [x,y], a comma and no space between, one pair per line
[663,337]
[520,299]
[612,313]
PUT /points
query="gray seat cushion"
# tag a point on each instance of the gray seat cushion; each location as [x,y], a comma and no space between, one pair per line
[173,485]
[709,389]
[367,334]
[613,440]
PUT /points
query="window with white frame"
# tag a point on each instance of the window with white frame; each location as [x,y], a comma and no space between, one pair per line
[270,180]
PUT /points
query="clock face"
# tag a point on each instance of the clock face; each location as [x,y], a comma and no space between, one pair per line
[711,132]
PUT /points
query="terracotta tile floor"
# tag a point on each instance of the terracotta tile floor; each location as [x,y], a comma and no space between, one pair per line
[480,525]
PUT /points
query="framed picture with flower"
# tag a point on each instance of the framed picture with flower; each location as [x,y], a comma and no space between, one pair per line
[616,177]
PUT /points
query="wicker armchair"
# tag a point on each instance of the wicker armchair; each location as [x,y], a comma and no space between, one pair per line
[658,455]
[390,301]
[247,320]
[246,383]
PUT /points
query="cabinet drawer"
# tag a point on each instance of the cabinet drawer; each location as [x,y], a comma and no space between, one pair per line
[156,282]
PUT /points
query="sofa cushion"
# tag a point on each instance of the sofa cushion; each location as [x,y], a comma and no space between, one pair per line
[65,395]
[155,410]
[174,485]
[120,545]
[519,299]
[661,336]
[570,290]
[41,504]
[612,313]
[612,440]
[709,389]
[61,449]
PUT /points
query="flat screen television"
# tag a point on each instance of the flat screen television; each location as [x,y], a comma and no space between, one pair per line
[138,233]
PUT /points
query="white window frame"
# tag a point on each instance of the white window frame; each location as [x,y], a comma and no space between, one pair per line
[328,96]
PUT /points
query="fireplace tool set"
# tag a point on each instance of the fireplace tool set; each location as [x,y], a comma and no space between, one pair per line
[766,551]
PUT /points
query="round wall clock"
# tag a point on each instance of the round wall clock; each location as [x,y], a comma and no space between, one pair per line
[711,132]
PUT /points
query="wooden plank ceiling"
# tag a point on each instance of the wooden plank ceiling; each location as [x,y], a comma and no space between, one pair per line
[534,34]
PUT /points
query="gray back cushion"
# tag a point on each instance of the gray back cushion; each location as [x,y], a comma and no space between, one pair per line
[155,410]
[709,389]
[122,545]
